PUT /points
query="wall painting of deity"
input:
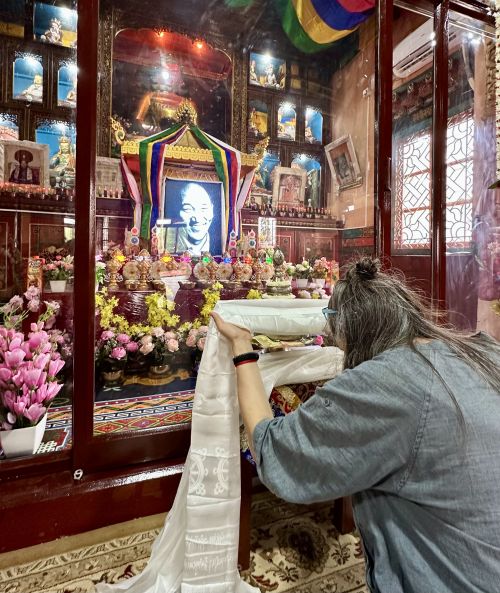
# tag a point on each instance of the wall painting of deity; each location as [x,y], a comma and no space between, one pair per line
[267,71]
[314,126]
[54,24]
[27,82]
[66,85]
[312,167]
[258,119]
[264,175]
[287,121]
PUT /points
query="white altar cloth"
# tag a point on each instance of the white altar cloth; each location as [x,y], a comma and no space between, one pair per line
[197,549]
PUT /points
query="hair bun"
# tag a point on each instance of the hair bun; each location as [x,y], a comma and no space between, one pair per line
[367,268]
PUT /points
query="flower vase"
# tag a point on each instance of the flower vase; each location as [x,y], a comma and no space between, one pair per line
[320,282]
[301,282]
[23,441]
[159,370]
[57,285]
[112,377]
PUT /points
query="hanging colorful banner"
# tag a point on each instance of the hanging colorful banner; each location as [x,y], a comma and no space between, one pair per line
[314,25]
[227,166]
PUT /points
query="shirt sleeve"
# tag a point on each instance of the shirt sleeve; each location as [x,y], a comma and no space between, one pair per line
[360,430]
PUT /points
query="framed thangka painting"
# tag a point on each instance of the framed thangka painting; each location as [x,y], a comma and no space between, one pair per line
[312,167]
[289,186]
[60,137]
[258,118]
[12,14]
[264,176]
[343,163]
[66,85]
[9,126]
[27,81]
[287,121]
[314,126]
[24,163]
[54,24]
[267,71]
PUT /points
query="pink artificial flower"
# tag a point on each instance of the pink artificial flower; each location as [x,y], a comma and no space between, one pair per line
[172,345]
[36,327]
[33,305]
[8,399]
[191,341]
[201,343]
[158,332]
[34,412]
[16,302]
[40,361]
[33,377]
[5,374]
[14,358]
[146,348]
[107,335]
[15,343]
[123,338]
[118,352]
[170,336]
[318,341]
[7,426]
[37,340]
[32,292]
[54,367]
[19,406]
[54,305]
[132,347]
[146,340]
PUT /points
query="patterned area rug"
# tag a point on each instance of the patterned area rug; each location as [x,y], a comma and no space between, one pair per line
[294,549]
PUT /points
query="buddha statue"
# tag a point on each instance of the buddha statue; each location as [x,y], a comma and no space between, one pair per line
[62,165]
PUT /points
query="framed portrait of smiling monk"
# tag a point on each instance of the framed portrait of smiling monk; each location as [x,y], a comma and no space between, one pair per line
[198,207]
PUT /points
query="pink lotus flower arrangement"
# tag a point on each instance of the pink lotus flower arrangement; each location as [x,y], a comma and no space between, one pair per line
[28,370]
[28,366]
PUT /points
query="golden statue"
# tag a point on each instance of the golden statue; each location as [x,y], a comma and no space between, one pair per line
[62,164]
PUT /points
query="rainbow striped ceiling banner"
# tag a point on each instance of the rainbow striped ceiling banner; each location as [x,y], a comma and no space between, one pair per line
[314,25]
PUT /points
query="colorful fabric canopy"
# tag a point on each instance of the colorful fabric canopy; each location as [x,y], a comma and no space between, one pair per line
[314,25]
[227,165]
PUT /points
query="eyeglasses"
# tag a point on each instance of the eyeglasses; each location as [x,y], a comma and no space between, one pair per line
[327,312]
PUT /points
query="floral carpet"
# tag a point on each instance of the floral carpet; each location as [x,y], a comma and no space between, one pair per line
[295,549]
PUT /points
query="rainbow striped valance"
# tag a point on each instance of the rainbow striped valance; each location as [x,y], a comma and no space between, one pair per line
[314,25]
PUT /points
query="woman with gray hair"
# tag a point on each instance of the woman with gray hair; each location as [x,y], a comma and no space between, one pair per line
[410,429]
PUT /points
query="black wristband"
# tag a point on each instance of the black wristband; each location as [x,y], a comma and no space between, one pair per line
[244,357]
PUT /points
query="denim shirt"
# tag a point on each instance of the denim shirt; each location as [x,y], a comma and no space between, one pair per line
[426,488]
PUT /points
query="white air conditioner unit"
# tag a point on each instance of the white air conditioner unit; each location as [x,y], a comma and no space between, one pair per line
[415,52]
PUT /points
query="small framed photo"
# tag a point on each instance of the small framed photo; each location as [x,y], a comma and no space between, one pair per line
[24,162]
[108,174]
[267,71]
[54,24]
[289,186]
[343,163]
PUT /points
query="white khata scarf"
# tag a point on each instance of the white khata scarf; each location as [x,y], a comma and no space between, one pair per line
[197,550]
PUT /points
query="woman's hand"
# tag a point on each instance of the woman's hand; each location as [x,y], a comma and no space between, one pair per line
[241,339]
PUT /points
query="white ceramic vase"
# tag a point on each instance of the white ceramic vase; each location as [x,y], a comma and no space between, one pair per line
[320,282]
[301,282]
[57,285]
[23,441]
